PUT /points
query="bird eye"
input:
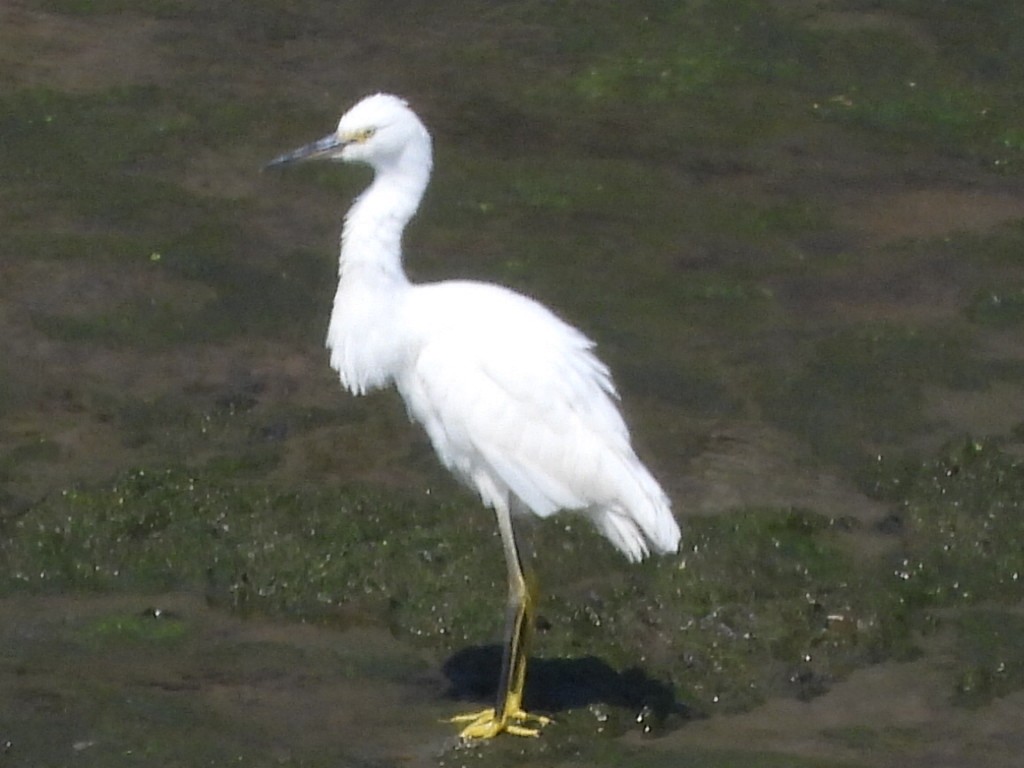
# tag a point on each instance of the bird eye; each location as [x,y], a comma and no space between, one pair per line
[360,136]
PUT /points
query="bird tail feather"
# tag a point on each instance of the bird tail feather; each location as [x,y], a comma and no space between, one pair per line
[642,518]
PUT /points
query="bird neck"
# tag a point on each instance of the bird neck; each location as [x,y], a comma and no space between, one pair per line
[371,240]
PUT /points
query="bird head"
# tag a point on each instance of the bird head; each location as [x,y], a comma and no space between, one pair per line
[378,131]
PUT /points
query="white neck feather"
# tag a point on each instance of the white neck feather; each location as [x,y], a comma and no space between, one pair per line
[366,349]
[371,240]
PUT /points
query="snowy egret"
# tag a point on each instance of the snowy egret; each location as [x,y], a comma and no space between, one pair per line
[513,399]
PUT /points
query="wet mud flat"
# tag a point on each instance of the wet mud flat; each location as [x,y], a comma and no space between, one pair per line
[165,680]
[119,681]
[795,231]
[311,624]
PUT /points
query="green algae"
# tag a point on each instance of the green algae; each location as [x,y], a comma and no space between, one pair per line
[761,601]
[918,89]
[752,71]
[866,738]
[769,602]
[865,385]
[1000,307]
[989,659]
[954,119]
[961,520]
[133,628]
[82,147]
[156,8]
[661,51]
[977,37]
[252,548]
[99,157]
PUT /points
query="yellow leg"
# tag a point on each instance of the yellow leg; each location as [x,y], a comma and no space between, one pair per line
[508,716]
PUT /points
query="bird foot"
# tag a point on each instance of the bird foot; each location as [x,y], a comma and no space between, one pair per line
[487,724]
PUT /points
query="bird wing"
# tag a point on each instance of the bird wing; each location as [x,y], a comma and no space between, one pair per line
[513,398]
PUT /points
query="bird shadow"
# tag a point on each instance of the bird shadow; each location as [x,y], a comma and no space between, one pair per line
[559,685]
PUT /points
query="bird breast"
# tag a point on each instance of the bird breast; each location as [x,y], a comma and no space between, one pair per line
[367,341]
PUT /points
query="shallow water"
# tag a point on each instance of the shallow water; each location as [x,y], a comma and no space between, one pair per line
[795,231]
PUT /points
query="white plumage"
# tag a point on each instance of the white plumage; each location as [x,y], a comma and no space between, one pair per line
[513,399]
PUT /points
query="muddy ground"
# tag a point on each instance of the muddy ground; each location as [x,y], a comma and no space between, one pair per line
[795,231]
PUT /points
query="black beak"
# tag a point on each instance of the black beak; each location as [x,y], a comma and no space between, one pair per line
[328,146]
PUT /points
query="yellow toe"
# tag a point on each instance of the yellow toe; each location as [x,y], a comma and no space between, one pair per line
[486,724]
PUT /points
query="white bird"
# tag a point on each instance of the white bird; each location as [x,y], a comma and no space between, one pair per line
[513,399]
